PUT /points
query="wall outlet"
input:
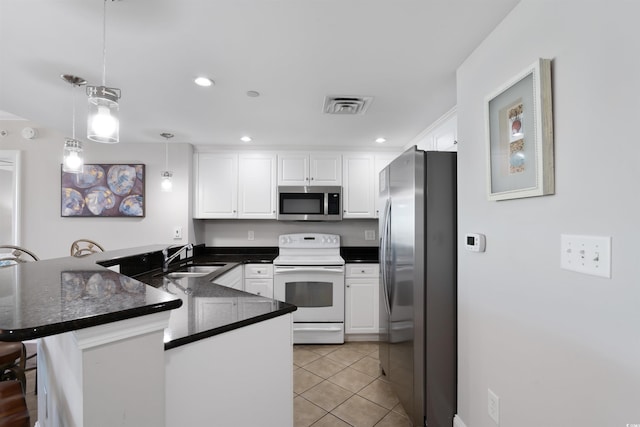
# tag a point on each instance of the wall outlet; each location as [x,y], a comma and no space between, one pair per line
[369,234]
[250,235]
[493,406]
[177,232]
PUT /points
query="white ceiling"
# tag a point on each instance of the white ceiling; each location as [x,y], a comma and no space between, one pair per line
[404,53]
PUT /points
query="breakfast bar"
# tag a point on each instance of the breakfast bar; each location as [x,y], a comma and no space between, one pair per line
[122,342]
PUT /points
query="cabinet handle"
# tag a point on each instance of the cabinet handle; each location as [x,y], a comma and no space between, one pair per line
[311,178]
[348,286]
[362,271]
[234,211]
[273,211]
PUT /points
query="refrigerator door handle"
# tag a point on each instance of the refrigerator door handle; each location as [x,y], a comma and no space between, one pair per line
[385,251]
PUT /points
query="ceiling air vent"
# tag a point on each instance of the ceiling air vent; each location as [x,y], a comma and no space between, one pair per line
[346,104]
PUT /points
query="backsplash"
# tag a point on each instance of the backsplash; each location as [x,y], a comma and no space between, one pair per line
[266,232]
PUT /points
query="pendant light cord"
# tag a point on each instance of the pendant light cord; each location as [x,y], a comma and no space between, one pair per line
[104,44]
[73,111]
[166,156]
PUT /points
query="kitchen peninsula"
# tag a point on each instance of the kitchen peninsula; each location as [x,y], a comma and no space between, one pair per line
[149,350]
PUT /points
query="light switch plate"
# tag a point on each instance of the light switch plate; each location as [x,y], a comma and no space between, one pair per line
[586,254]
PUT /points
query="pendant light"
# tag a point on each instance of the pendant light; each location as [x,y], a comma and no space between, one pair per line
[166,184]
[103,124]
[72,153]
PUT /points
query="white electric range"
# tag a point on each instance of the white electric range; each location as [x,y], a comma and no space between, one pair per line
[309,273]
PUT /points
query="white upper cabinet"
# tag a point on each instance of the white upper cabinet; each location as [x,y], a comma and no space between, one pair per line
[445,136]
[358,193]
[257,186]
[309,169]
[216,185]
[442,135]
[381,162]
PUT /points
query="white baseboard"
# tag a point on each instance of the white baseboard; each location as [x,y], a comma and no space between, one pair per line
[457,421]
[361,337]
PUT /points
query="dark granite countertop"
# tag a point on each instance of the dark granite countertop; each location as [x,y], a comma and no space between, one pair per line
[359,254]
[54,296]
[66,294]
[209,309]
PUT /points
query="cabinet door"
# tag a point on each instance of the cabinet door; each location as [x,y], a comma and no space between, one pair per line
[381,162]
[232,278]
[361,306]
[257,186]
[216,176]
[293,169]
[326,169]
[445,135]
[214,311]
[358,197]
[262,287]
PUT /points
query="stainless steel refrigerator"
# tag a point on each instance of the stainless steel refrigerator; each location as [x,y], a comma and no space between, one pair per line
[418,283]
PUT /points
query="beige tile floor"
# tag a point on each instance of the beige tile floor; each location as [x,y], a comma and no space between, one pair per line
[341,385]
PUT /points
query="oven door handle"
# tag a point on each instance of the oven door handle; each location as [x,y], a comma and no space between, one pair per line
[317,329]
[304,269]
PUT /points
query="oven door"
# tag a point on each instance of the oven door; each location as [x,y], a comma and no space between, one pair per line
[317,291]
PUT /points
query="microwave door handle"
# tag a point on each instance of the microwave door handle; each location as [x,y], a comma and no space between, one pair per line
[326,203]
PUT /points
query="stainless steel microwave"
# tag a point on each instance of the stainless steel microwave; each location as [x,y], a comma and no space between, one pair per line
[309,203]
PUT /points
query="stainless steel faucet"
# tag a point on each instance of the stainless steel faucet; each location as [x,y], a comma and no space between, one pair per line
[168,259]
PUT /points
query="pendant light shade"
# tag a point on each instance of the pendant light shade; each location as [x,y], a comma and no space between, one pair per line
[103,121]
[166,184]
[73,161]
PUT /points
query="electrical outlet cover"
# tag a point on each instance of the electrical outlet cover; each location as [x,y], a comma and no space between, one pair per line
[493,406]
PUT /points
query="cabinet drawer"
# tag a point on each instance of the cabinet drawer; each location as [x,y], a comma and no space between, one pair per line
[262,287]
[258,271]
[362,270]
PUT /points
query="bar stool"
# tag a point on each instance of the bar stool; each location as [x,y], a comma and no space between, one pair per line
[13,405]
[14,356]
[83,247]
[11,255]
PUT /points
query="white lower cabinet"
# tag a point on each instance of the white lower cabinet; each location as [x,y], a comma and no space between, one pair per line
[361,299]
[258,279]
[232,278]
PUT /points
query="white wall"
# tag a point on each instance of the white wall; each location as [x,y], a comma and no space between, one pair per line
[49,235]
[235,232]
[559,348]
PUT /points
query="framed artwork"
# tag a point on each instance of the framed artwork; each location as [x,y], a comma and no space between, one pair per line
[519,136]
[103,190]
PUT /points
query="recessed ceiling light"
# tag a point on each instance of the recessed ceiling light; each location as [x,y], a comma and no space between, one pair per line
[203,81]
[245,139]
[380,140]
[253,93]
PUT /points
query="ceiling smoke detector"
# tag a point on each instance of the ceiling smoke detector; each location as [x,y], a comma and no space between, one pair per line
[346,104]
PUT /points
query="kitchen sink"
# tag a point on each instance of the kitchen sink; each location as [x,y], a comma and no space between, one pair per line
[195,271]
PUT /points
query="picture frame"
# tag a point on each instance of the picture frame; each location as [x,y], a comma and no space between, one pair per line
[104,190]
[519,135]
